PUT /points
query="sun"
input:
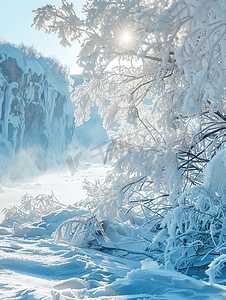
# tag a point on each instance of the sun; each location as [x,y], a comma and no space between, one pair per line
[126,37]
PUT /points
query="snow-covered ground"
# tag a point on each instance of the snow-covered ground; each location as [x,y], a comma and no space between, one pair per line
[66,188]
[35,264]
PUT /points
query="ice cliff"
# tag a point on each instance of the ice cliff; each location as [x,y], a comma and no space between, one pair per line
[36,113]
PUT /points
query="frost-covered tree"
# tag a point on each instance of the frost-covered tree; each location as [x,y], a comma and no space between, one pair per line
[171,52]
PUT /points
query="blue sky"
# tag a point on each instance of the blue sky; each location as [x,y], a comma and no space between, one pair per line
[16,18]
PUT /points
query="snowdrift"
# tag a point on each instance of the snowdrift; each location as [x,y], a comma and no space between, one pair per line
[43,256]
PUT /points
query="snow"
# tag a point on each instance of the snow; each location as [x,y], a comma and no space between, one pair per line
[67,188]
[152,216]
[36,263]
[52,244]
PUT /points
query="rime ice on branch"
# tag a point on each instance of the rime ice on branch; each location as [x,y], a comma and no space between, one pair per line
[173,53]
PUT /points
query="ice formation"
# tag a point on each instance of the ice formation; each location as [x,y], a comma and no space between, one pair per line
[36,113]
[35,108]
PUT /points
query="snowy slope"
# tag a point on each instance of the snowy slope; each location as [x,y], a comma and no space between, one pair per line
[35,264]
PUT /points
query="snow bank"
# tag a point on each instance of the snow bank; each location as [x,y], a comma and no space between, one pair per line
[154,284]
[35,266]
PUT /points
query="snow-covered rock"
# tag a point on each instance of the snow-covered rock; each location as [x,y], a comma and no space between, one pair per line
[4,231]
[36,231]
[17,230]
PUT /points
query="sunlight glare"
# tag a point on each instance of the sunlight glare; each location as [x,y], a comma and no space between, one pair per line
[126,37]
